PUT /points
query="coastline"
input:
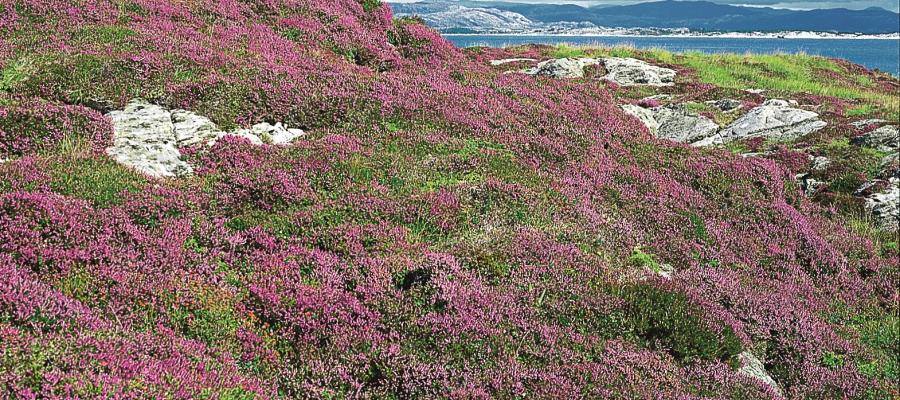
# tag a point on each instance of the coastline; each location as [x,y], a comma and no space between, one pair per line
[681,36]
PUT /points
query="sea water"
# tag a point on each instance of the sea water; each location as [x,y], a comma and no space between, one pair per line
[881,54]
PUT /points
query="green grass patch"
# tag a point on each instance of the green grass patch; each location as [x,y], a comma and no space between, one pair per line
[641,259]
[100,181]
[863,80]
[780,73]
[878,331]
[209,317]
[15,73]
[104,34]
[861,111]
[567,51]
[370,5]
[665,320]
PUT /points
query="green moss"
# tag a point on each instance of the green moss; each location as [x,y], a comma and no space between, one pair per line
[29,364]
[832,360]
[209,317]
[79,285]
[699,227]
[696,107]
[104,34]
[293,34]
[641,259]
[878,330]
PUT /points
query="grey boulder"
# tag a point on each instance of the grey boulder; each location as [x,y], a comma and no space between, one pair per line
[634,72]
[677,124]
[866,122]
[645,115]
[191,129]
[145,140]
[774,119]
[886,138]
[562,67]
[809,185]
[754,368]
[885,206]
[674,123]
[147,137]
[276,134]
[510,61]
[726,105]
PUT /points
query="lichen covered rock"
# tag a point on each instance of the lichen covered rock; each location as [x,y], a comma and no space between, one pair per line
[674,123]
[562,67]
[751,366]
[147,137]
[634,72]
[886,138]
[885,206]
[774,119]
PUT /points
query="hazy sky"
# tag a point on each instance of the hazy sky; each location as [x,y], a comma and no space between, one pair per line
[892,5]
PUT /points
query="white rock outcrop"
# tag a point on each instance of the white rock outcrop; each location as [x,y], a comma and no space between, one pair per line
[775,119]
[562,67]
[819,163]
[145,140]
[886,138]
[885,206]
[674,123]
[276,134]
[645,115]
[726,105]
[634,72]
[192,129]
[808,184]
[147,137]
[510,61]
[622,71]
[754,368]
[866,122]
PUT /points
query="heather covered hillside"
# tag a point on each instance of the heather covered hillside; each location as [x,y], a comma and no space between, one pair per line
[311,199]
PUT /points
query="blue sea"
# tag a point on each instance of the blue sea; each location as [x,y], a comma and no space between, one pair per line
[882,54]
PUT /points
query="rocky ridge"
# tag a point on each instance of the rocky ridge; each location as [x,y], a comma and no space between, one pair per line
[775,119]
[621,71]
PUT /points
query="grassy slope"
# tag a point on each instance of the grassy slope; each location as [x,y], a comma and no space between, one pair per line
[378,203]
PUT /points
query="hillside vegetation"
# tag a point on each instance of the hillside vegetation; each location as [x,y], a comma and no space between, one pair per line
[444,229]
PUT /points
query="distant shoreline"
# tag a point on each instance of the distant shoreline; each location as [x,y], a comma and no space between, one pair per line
[688,36]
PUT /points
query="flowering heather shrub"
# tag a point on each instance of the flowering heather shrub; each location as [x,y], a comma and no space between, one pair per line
[649,103]
[443,231]
[32,126]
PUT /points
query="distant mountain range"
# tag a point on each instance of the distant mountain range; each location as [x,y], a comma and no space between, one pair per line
[702,16]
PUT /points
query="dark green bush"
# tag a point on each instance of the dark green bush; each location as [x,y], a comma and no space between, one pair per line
[667,321]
